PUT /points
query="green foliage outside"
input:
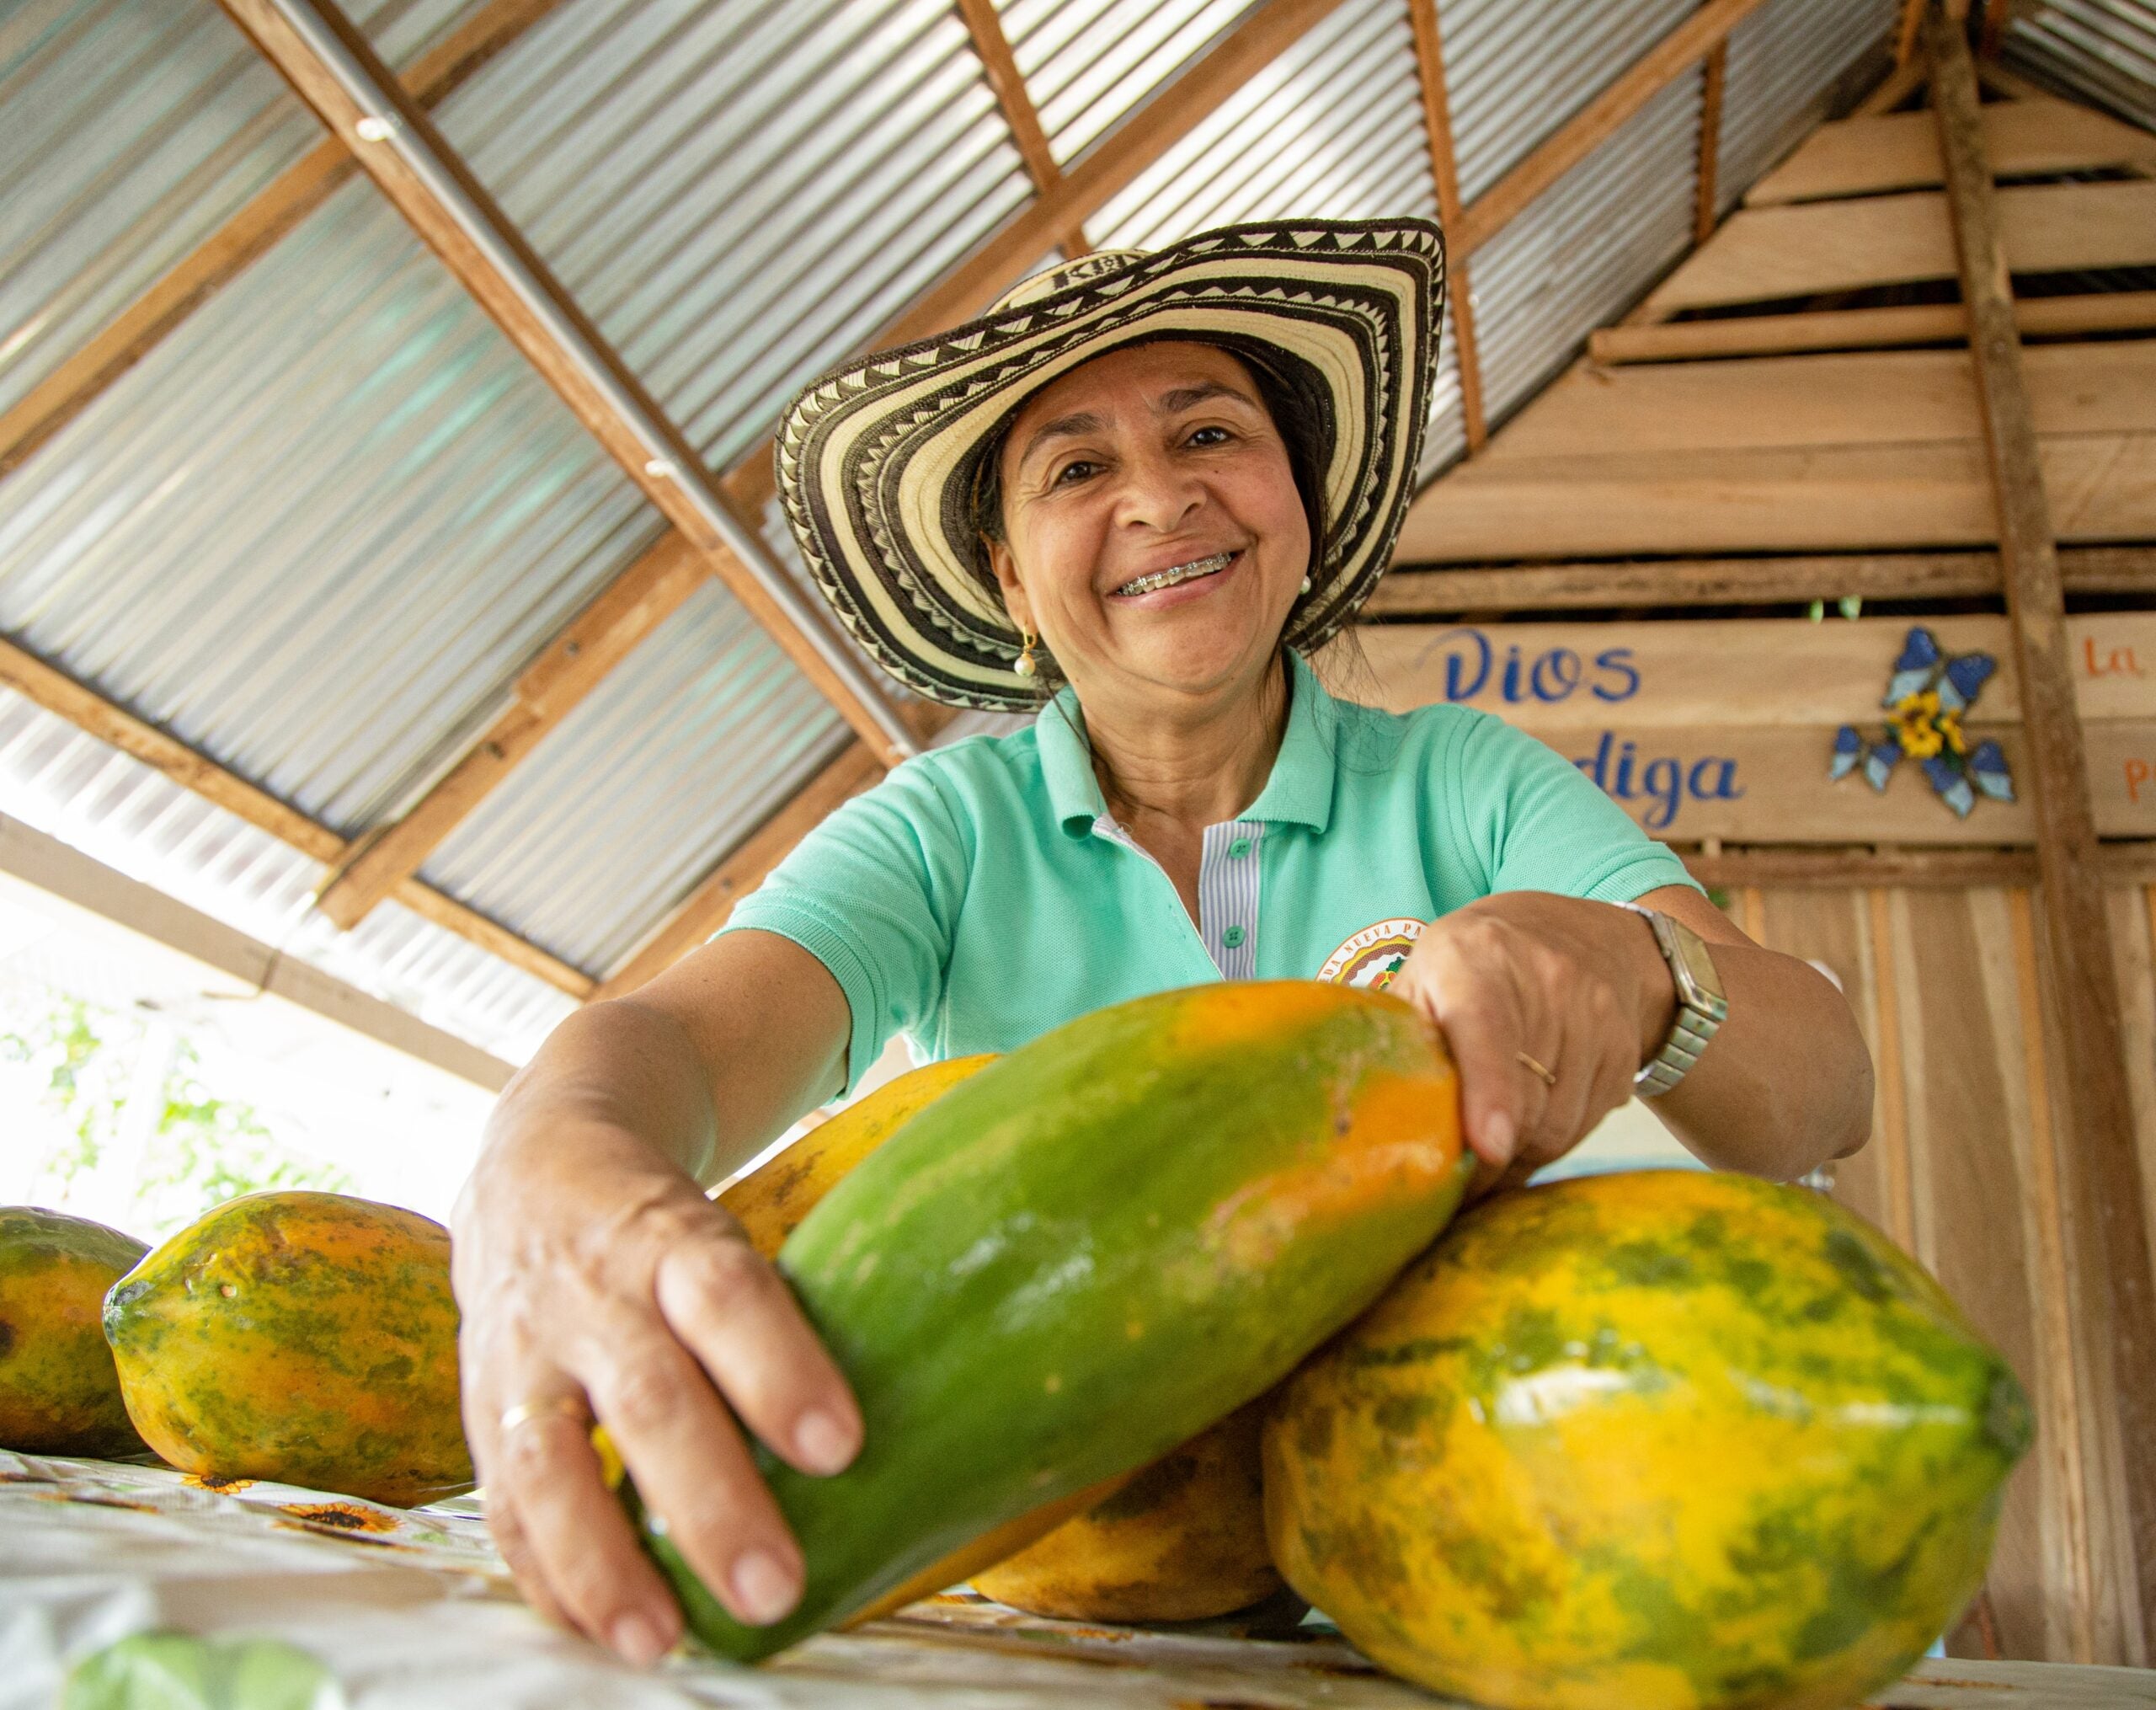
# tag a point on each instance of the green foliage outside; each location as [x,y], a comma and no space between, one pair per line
[189,1150]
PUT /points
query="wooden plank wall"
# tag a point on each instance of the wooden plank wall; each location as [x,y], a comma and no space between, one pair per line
[1963,1170]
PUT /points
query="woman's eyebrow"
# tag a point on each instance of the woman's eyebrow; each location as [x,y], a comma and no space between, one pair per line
[1184,398]
[1060,427]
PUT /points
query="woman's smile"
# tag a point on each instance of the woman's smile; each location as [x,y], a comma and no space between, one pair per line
[1189,580]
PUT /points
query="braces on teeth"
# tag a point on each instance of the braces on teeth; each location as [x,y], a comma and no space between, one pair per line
[1181,573]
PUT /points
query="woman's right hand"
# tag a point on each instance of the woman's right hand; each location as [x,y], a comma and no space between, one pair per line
[595,1279]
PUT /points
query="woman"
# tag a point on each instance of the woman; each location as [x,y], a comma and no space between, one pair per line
[1158,481]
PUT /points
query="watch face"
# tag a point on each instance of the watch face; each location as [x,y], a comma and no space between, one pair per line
[1696,965]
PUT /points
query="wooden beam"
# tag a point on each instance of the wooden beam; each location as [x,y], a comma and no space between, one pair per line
[1444,174]
[1896,87]
[1905,37]
[1704,211]
[601,637]
[1675,54]
[1812,249]
[1860,329]
[1865,866]
[984,25]
[1900,150]
[333,67]
[1107,167]
[248,235]
[706,907]
[2102,1149]
[57,692]
[1777,581]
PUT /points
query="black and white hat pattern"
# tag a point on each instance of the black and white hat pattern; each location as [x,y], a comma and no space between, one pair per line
[877,460]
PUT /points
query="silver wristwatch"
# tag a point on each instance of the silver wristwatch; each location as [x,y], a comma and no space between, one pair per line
[1700,1006]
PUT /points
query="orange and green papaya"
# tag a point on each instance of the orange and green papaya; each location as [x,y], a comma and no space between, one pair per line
[1656,1441]
[1183,1540]
[59,1393]
[770,1201]
[302,1337]
[1086,1253]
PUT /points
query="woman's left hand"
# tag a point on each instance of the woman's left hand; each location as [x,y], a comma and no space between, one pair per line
[1527,978]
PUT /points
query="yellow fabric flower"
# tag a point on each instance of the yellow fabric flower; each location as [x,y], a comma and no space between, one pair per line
[1950,727]
[1917,725]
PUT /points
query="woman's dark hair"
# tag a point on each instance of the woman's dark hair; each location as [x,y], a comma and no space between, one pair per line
[1299,404]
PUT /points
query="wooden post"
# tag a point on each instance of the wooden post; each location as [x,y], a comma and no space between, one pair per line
[2100,1144]
[1444,172]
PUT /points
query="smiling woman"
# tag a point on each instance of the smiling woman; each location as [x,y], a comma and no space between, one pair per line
[1134,496]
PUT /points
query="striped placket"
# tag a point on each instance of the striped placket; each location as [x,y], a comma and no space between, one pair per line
[1227,889]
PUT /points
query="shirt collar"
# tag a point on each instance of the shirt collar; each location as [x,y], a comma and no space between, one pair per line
[1299,791]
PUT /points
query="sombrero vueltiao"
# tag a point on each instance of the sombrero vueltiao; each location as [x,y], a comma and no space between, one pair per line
[877,460]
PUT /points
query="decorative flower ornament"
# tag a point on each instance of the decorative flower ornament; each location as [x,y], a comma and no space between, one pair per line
[1925,698]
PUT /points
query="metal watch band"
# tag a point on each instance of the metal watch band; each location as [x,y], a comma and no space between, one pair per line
[1699,1011]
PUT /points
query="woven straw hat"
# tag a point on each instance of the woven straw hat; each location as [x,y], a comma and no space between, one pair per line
[878,459]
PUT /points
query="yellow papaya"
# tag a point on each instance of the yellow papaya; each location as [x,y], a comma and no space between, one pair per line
[774,1198]
[59,1393]
[1665,1440]
[302,1337]
[1183,1540]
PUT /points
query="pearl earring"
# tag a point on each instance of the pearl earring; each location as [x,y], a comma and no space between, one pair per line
[1025,665]
[1306,584]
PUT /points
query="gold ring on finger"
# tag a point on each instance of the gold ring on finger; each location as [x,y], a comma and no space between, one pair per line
[1546,1076]
[569,1407]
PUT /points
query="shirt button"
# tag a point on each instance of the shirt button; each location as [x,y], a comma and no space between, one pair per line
[1232,937]
[1239,848]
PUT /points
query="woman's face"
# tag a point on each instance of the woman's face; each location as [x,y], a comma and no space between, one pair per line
[1154,537]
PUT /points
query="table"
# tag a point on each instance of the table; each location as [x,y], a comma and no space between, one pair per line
[412,1611]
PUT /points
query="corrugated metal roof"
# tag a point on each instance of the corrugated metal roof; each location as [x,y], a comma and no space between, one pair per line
[1586,248]
[739,192]
[1785,66]
[1517,70]
[128,134]
[1090,63]
[702,732]
[2102,50]
[317,531]
[71,786]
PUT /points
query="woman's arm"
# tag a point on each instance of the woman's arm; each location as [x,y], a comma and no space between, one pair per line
[593,1275]
[1784,1084]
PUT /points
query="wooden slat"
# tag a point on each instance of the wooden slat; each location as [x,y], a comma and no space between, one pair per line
[1704,207]
[1814,499]
[1676,53]
[1444,173]
[2126,861]
[608,410]
[985,24]
[248,234]
[1900,150]
[2104,1150]
[632,605]
[1576,587]
[1812,248]
[1861,398]
[82,707]
[1853,329]
[1107,167]
[706,907]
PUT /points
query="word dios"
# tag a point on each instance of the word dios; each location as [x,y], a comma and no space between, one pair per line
[1665,782]
[1554,674]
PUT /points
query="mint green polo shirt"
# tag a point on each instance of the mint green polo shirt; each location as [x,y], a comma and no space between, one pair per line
[982,894]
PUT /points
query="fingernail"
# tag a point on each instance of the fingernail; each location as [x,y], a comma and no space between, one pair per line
[638,1640]
[822,1444]
[763,1590]
[1498,1137]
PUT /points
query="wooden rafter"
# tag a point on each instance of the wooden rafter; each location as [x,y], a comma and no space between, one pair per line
[1861,329]
[242,239]
[2119,1291]
[1760,581]
[1676,53]
[1444,170]
[602,635]
[331,65]
[712,901]
[984,25]
[1708,196]
[1906,34]
[57,692]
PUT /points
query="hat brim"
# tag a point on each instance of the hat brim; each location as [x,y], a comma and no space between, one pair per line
[876,460]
